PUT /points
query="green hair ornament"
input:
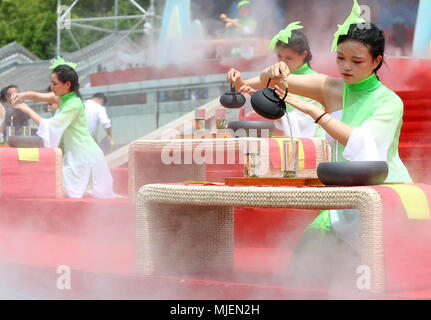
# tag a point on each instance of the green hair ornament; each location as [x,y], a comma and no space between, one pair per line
[354,18]
[241,3]
[285,34]
[59,61]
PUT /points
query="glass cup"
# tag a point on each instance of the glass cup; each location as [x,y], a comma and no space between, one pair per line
[25,131]
[252,164]
[199,120]
[220,120]
[10,131]
[290,158]
[326,149]
[334,151]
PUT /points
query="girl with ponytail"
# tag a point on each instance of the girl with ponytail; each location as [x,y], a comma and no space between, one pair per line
[84,163]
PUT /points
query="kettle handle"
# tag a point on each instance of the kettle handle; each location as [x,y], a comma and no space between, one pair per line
[232,86]
[269,81]
[285,95]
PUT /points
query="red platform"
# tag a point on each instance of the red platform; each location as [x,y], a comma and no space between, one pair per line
[96,239]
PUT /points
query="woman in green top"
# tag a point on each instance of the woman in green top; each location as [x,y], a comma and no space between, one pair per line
[365,118]
[292,48]
[83,159]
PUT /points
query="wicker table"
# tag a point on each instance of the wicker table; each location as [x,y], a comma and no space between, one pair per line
[189,228]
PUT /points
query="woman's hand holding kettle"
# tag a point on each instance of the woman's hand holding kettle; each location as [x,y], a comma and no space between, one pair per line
[234,77]
[278,71]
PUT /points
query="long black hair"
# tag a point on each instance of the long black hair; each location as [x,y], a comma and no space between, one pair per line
[4,91]
[65,73]
[371,36]
[298,42]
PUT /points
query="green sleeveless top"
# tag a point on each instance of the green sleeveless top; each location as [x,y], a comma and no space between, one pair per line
[76,136]
[367,100]
[370,99]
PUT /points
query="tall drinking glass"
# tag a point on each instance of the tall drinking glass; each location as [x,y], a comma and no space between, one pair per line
[290,158]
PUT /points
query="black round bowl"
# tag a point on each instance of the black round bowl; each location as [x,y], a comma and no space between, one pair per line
[25,142]
[256,129]
[352,173]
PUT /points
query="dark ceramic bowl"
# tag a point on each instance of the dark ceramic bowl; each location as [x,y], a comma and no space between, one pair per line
[25,142]
[352,173]
[256,129]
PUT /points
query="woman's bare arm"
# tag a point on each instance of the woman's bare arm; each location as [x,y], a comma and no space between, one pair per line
[335,128]
[48,97]
[334,89]
[255,83]
[30,112]
[234,76]
[326,90]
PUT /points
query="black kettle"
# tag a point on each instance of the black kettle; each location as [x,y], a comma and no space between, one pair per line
[232,99]
[267,104]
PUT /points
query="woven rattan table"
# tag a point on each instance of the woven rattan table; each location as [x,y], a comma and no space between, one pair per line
[189,228]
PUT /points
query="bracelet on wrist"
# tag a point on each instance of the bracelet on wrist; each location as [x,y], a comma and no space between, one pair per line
[317,120]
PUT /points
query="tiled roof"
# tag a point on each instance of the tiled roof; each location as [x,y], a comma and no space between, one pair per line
[20,67]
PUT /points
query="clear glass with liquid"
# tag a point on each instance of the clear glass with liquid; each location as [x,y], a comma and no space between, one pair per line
[252,164]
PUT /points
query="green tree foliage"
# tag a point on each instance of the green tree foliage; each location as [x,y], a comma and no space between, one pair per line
[33,23]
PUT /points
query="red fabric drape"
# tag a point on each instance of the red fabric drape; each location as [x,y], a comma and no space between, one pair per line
[20,179]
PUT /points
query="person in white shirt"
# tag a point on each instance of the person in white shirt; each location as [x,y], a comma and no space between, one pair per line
[96,115]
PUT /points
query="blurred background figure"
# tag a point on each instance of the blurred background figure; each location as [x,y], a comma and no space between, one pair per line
[51,107]
[14,118]
[96,115]
[245,24]
[241,27]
